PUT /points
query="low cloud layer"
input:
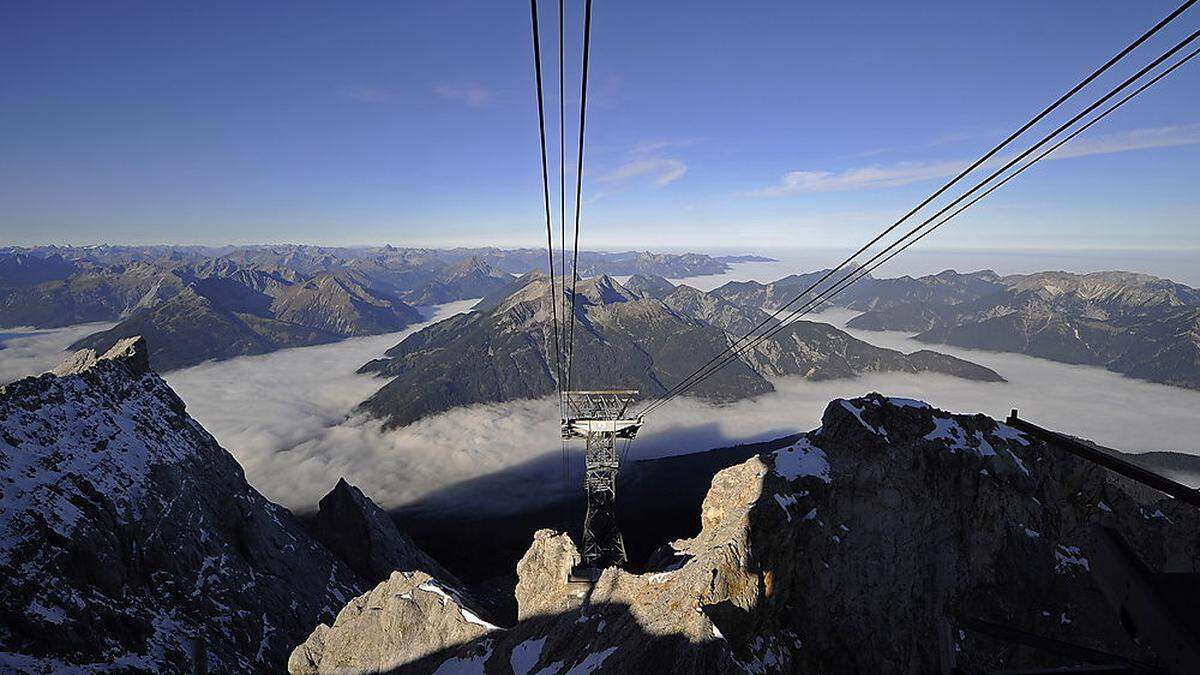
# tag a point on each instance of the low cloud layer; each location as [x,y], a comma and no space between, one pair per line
[284,416]
[287,417]
[32,352]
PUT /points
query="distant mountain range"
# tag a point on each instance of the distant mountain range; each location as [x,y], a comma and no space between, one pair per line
[1135,324]
[198,303]
[224,317]
[625,337]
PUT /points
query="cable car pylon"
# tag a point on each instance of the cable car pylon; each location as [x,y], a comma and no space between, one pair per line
[600,417]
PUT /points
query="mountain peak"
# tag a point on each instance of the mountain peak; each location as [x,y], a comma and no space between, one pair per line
[131,352]
[604,290]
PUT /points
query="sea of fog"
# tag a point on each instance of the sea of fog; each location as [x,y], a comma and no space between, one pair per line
[289,416]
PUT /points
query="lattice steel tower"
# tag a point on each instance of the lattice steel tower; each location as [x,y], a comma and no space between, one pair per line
[599,417]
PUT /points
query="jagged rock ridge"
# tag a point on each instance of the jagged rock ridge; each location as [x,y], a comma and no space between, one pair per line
[130,540]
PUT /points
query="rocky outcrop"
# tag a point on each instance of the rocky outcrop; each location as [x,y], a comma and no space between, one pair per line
[130,540]
[361,534]
[408,616]
[131,353]
[844,552]
[543,576]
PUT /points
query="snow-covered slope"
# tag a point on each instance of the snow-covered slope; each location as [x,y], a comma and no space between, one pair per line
[130,540]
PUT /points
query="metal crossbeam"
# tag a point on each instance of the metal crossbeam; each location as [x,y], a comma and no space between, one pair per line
[599,417]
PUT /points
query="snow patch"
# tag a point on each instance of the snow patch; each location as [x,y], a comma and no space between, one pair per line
[907,402]
[1010,434]
[591,662]
[858,414]
[784,503]
[802,459]
[1068,557]
[526,655]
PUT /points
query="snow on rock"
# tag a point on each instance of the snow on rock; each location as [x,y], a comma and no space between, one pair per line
[1070,557]
[129,537]
[526,655]
[858,414]
[802,459]
[591,662]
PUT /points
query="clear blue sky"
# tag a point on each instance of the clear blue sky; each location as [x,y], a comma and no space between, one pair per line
[711,123]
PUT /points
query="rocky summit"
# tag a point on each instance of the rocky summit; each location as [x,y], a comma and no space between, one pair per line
[846,551]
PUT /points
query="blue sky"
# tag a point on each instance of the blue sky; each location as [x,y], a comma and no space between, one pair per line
[711,124]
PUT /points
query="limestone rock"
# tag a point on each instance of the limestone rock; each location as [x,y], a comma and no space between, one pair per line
[406,617]
[543,576]
[131,351]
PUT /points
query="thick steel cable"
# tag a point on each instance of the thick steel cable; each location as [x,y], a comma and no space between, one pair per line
[537,65]
[707,371]
[1129,48]
[587,39]
[561,298]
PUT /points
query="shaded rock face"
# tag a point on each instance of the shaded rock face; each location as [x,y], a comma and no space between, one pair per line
[130,539]
[404,618]
[845,550]
[361,534]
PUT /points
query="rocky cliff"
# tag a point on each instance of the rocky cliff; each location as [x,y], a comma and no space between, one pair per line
[843,552]
[131,542]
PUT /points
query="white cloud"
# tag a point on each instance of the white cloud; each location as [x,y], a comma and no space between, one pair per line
[863,178]
[1137,139]
[369,94]
[648,147]
[29,351]
[661,171]
[877,176]
[470,93]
